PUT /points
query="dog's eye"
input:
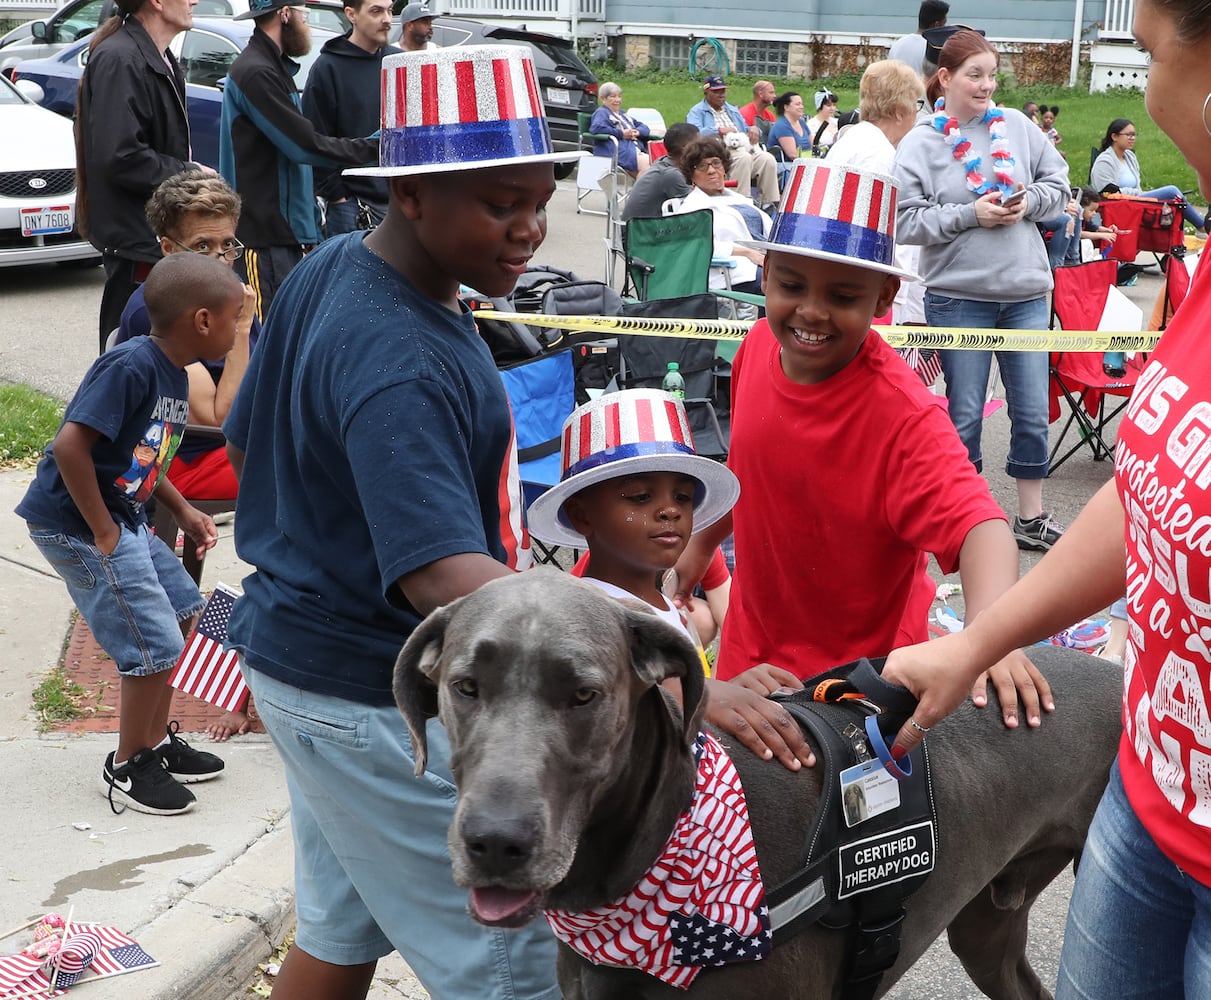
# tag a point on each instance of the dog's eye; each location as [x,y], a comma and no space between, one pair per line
[582,696]
[467,688]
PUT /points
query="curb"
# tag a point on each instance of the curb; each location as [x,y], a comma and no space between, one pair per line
[210,943]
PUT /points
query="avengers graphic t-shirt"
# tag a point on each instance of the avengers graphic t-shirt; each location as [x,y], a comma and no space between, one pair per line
[138,401]
[1163,473]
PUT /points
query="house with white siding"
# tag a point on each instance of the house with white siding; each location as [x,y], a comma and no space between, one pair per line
[809,39]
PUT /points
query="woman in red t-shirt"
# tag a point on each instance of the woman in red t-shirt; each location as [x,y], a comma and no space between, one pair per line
[1140,918]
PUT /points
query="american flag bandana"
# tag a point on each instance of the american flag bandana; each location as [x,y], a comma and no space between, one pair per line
[703,901]
[89,952]
[205,669]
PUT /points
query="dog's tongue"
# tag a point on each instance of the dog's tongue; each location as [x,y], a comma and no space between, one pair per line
[493,904]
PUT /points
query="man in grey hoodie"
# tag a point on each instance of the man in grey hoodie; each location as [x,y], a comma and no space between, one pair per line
[342,99]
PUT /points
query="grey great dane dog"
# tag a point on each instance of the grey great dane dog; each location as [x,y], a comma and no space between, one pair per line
[573,764]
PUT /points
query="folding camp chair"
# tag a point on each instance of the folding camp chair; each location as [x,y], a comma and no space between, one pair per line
[541,395]
[669,256]
[1077,379]
[644,362]
[1147,225]
[599,174]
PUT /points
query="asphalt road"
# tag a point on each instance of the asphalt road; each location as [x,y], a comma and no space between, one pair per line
[48,338]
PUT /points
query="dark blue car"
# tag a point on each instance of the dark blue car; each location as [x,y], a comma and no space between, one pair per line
[204,51]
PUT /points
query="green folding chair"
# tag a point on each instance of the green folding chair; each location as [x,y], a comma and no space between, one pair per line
[669,256]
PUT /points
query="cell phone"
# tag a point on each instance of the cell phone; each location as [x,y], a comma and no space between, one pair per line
[1013,197]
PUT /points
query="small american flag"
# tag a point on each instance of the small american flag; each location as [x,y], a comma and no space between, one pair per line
[109,951]
[205,669]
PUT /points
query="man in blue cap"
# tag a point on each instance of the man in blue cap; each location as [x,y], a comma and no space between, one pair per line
[752,167]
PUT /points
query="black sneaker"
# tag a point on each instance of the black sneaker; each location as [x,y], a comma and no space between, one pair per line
[185,763]
[142,784]
[1038,533]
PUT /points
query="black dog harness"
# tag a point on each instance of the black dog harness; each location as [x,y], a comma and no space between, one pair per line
[858,876]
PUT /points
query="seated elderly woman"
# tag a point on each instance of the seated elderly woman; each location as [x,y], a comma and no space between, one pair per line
[610,119]
[1116,169]
[705,163]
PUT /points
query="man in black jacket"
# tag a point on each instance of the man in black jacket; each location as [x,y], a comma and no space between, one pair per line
[342,98]
[267,147]
[132,132]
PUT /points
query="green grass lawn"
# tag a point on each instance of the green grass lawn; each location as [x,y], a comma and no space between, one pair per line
[28,420]
[1082,121]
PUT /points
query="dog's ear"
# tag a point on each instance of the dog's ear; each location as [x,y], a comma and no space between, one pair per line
[415,683]
[659,651]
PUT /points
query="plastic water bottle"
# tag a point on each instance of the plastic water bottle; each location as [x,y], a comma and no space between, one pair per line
[673,382]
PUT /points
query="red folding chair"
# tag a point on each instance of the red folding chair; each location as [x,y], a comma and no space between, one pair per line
[1146,225]
[1077,380]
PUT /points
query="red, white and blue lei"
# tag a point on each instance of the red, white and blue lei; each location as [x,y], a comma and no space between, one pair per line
[961,150]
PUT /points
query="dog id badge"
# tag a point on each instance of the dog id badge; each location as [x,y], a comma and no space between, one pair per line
[867,790]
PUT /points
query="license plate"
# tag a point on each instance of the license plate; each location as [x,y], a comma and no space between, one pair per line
[557,96]
[47,220]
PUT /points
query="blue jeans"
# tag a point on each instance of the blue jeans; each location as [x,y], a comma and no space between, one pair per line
[133,599]
[341,217]
[371,864]
[1173,191]
[1023,372]
[1139,928]
[1062,248]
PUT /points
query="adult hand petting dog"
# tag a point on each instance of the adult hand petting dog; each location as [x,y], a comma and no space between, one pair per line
[763,726]
[1015,677]
[939,673]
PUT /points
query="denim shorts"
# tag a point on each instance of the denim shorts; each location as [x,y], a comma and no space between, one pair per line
[371,865]
[133,599]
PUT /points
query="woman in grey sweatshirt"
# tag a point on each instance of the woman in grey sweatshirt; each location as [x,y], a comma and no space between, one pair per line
[984,263]
[1117,167]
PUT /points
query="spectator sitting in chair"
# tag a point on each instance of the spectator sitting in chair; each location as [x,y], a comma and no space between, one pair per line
[631,133]
[823,124]
[1116,169]
[1080,221]
[760,112]
[705,164]
[752,167]
[790,136]
[663,179]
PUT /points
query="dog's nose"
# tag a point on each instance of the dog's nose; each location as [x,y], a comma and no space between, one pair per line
[498,847]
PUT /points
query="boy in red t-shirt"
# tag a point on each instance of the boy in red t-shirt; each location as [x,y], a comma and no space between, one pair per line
[851,472]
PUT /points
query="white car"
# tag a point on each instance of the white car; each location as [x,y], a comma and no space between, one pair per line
[37,185]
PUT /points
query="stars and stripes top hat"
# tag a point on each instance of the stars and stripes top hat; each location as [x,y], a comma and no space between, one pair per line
[622,434]
[461,108]
[837,212]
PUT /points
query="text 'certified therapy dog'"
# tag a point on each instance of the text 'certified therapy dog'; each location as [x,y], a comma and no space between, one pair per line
[581,794]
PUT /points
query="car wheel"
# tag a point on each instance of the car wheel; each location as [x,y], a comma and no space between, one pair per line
[564,170]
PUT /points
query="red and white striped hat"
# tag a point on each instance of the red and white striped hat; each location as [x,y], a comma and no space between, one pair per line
[837,212]
[461,108]
[621,434]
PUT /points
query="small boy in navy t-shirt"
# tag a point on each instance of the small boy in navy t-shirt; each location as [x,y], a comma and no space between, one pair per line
[85,512]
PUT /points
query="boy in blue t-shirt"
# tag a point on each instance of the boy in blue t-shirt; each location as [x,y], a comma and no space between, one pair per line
[85,512]
[378,481]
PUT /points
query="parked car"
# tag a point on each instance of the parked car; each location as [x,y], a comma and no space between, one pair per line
[568,85]
[37,185]
[74,20]
[205,52]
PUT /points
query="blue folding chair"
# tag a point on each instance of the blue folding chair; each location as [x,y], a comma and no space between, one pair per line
[542,393]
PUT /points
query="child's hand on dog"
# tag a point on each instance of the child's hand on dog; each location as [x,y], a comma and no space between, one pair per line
[760,724]
[766,679]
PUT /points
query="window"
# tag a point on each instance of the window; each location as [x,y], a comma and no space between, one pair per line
[755,57]
[205,58]
[78,23]
[670,53]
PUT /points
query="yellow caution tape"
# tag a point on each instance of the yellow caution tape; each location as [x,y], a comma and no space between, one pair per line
[925,337]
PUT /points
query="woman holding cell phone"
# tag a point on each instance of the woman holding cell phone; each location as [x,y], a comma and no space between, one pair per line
[974,181]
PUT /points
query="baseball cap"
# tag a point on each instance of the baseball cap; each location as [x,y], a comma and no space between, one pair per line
[415,11]
[714,83]
[935,38]
[257,8]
